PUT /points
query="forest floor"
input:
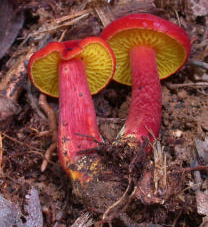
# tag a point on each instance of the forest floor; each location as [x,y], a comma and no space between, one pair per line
[45,198]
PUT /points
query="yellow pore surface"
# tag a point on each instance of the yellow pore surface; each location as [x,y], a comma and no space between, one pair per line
[45,73]
[170,53]
[98,63]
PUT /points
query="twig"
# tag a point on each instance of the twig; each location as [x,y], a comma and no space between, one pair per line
[89,136]
[14,140]
[71,16]
[197,63]
[198,84]
[177,16]
[48,27]
[196,168]
[177,218]
[110,119]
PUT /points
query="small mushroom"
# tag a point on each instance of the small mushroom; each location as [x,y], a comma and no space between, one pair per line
[147,48]
[72,71]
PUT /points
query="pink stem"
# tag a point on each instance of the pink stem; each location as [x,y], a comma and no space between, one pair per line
[146,101]
[77,118]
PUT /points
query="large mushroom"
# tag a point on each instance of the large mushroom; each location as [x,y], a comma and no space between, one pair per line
[72,71]
[147,49]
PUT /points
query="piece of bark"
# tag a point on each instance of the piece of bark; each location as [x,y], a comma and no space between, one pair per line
[107,13]
[10,90]
[124,7]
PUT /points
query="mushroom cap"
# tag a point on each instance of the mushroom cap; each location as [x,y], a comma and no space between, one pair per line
[99,59]
[170,41]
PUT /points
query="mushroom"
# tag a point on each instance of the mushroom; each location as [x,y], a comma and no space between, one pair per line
[147,48]
[72,71]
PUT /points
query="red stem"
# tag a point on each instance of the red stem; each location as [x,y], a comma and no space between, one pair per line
[77,112]
[145,108]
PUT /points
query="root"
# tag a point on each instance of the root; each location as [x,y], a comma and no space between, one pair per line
[53,126]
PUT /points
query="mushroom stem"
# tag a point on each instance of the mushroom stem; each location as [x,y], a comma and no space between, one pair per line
[77,113]
[146,101]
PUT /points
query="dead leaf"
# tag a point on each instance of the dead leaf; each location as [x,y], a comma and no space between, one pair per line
[10,24]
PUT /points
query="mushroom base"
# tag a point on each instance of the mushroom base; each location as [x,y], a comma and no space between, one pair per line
[97,186]
[105,179]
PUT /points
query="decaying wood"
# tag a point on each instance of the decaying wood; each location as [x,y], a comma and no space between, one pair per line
[11,84]
[104,12]
[107,13]
[124,7]
[11,88]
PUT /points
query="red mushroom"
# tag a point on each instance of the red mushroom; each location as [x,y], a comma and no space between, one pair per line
[147,49]
[74,70]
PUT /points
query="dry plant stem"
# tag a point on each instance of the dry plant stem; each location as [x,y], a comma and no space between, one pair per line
[111,120]
[70,17]
[53,128]
[199,84]
[160,170]
[177,16]
[50,26]
[62,35]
